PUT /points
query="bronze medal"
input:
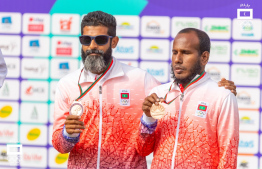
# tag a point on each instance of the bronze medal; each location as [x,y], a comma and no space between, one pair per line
[157,112]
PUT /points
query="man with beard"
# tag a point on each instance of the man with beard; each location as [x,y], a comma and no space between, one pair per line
[109,96]
[102,102]
[191,122]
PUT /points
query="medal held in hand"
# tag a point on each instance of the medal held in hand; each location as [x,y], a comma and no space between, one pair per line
[157,112]
[76,109]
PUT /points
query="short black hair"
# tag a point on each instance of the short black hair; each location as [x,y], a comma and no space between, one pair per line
[99,18]
[204,40]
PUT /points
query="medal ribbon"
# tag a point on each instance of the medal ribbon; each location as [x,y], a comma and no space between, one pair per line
[82,94]
[184,88]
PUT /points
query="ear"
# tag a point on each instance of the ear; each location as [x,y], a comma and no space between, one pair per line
[204,58]
[115,41]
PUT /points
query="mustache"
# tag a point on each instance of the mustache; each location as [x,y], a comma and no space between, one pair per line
[94,51]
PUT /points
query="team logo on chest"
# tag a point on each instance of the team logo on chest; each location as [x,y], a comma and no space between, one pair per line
[124,97]
[201,110]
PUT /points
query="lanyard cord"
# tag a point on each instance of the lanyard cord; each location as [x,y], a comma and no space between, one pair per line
[82,94]
[183,89]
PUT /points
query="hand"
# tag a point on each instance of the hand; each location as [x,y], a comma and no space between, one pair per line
[228,85]
[73,124]
[149,101]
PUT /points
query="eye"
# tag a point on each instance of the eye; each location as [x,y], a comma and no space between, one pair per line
[174,52]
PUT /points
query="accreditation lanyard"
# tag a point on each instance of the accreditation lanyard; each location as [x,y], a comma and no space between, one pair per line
[182,89]
[83,94]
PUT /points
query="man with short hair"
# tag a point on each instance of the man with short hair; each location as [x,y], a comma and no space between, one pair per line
[108,139]
[102,102]
[198,122]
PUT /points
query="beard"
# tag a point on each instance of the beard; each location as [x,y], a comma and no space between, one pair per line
[96,63]
[193,72]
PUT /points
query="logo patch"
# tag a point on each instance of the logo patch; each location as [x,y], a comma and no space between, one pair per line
[201,110]
[124,97]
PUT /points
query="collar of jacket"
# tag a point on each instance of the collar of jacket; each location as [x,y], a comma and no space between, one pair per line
[115,71]
[203,79]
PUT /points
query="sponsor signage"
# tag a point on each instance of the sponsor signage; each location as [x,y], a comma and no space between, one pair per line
[10,90]
[127,25]
[158,69]
[9,111]
[248,98]
[34,112]
[217,71]
[154,49]
[10,45]
[67,24]
[155,26]
[33,157]
[248,75]
[8,133]
[62,67]
[34,91]
[10,22]
[217,28]
[246,52]
[248,120]
[35,68]
[127,49]
[65,46]
[13,67]
[247,162]
[33,134]
[56,159]
[36,46]
[247,29]
[220,51]
[179,23]
[248,143]
[34,23]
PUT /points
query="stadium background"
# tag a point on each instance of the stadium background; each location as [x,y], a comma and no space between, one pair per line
[39,41]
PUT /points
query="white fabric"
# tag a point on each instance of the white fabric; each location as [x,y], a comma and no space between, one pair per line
[116,71]
[148,120]
[3,69]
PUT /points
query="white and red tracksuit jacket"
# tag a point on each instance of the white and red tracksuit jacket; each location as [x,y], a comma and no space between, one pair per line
[110,144]
[200,128]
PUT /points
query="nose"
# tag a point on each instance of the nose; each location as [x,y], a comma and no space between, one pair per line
[178,58]
[93,44]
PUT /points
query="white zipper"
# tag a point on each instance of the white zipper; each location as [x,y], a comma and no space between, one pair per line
[100,127]
[177,131]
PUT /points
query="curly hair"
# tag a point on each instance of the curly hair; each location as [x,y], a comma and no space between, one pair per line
[99,18]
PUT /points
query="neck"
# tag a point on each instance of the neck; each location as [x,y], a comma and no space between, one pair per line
[185,84]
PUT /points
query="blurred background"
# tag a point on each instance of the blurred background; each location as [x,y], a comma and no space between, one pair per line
[39,41]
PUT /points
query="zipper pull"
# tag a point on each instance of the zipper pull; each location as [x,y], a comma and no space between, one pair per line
[100,89]
[182,96]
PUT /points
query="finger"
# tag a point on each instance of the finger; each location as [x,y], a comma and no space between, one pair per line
[72,131]
[74,127]
[75,122]
[230,87]
[73,117]
[156,99]
[146,109]
[152,99]
[147,103]
[162,100]
[234,92]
